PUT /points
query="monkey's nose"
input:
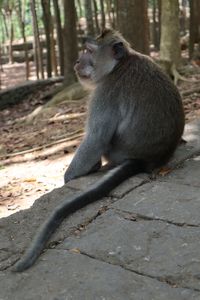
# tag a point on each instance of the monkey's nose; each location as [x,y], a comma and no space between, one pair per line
[76,65]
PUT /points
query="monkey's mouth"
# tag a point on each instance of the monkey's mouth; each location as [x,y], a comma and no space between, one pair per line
[83,76]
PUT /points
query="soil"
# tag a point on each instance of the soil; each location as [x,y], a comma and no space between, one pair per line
[25,177]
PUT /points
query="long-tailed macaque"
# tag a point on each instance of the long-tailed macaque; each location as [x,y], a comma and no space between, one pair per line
[135,121]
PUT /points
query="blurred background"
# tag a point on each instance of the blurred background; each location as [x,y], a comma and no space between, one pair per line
[43,107]
[44,36]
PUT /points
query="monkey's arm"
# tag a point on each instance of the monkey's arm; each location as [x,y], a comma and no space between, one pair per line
[85,159]
[99,134]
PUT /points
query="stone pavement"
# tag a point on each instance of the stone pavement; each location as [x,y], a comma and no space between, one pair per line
[141,243]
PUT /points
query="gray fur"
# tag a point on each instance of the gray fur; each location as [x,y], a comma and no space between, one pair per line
[135,110]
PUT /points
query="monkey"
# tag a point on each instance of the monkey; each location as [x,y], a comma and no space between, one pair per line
[135,121]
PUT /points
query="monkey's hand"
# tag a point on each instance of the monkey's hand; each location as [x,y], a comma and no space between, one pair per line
[95,168]
[87,159]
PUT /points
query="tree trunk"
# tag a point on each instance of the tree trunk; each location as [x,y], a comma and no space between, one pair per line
[89,17]
[46,21]
[80,8]
[53,51]
[70,41]
[5,25]
[110,12]
[159,21]
[21,16]
[10,31]
[59,36]
[194,25]
[170,44]
[108,6]
[96,16]
[1,68]
[133,23]
[113,11]
[183,18]
[37,45]
[155,26]
[103,18]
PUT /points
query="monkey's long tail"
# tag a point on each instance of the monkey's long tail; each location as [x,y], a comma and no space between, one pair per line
[100,189]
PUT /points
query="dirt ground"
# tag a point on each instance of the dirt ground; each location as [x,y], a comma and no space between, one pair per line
[34,155]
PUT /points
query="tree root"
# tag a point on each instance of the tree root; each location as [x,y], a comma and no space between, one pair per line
[66,117]
[14,157]
[177,76]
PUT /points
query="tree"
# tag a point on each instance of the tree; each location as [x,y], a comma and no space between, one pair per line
[37,45]
[21,16]
[194,25]
[7,8]
[155,29]
[182,17]
[59,35]
[103,18]
[169,44]
[132,21]
[70,41]
[96,16]
[47,26]
[110,12]
[89,17]
[80,8]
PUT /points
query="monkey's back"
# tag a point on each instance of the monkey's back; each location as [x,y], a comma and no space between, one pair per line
[149,108]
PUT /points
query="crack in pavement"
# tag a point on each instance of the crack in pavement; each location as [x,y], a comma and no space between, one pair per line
[135,217]
[79,227]
[169,280]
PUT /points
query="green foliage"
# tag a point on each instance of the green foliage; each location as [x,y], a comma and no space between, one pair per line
[12,7]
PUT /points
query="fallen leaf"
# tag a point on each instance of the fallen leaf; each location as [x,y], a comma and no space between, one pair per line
[30,179]
[164,171]
[75,250]
[12,206]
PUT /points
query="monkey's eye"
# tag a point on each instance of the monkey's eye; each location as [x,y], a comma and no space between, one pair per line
[89,50]
[91,47]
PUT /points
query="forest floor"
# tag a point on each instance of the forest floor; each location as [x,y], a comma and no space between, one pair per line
[34,155]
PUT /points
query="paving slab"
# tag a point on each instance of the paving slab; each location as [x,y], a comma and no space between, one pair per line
[18,230]
[188,173]
[142,242]
[168,201]
[192,146]
[66,276]
[152,248]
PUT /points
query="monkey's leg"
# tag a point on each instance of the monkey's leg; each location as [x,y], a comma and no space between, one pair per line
[96,142]
[86,160]
[96,167]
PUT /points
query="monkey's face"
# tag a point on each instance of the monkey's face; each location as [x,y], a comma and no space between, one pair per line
[97,61]
[104,56]
[84,69]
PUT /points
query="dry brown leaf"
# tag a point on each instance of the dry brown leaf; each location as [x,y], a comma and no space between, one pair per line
[31,179]
[164,171]
[75,250]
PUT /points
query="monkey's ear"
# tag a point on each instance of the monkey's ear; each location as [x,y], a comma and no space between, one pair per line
[118,50]
[91,47]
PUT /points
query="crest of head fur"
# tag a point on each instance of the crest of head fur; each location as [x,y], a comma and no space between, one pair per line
[110,36]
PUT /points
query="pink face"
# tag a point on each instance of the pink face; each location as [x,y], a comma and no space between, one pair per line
[84,66]
[97,61]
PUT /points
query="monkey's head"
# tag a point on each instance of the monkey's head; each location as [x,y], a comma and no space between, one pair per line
[100,57]
[84,69]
